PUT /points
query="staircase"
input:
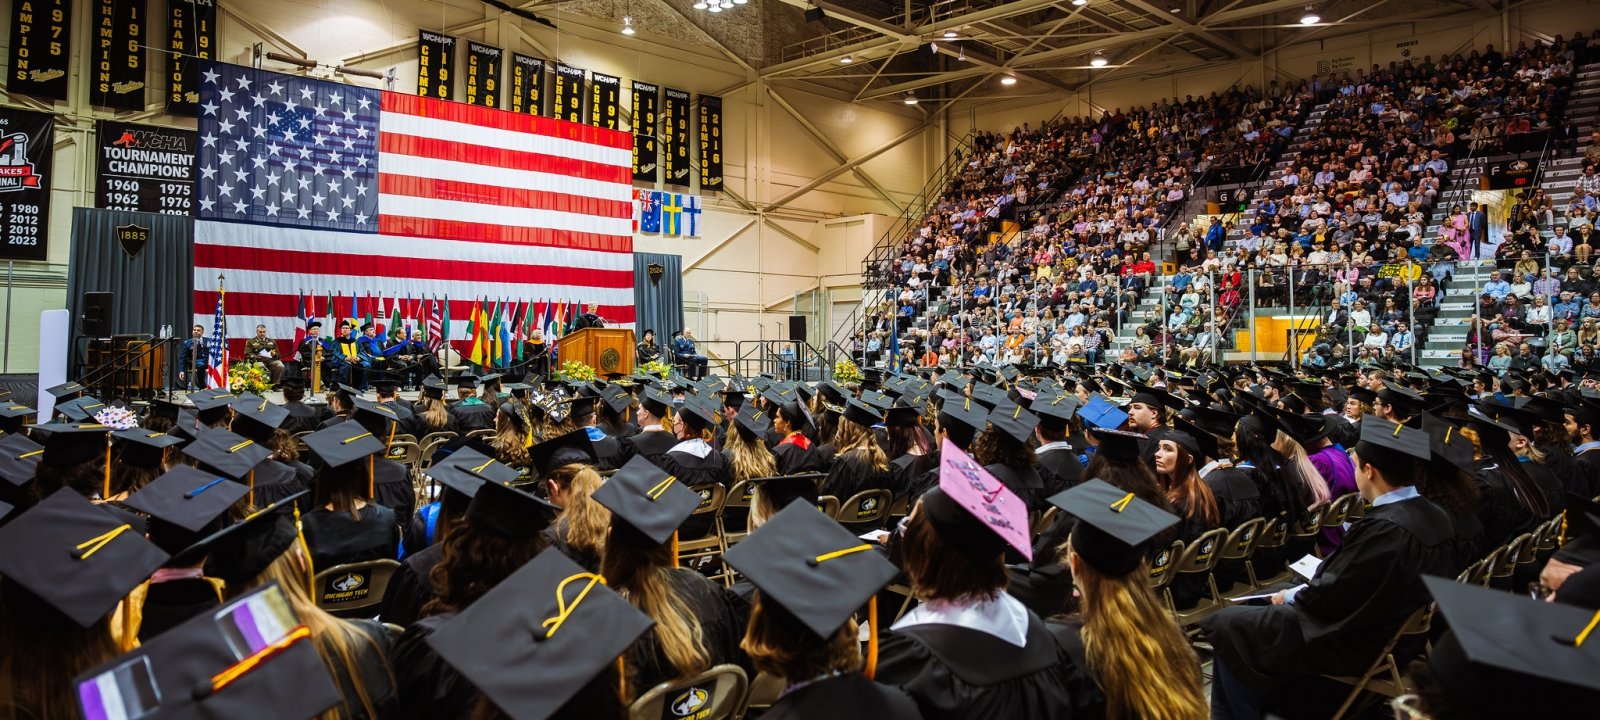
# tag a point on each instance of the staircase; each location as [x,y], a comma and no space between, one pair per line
[1291,156]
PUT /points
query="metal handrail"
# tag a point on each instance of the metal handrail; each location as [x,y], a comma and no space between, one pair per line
[100,378]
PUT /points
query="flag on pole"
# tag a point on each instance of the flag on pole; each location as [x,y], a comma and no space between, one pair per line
[355,309]
[394,321]
[332,323]
[476,323]
[300,327]
[218,372]
[439,324]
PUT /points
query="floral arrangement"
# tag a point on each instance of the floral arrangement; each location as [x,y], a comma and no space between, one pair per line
[251,377]
[574,370]
[657,368]
[116,418]
[845,371]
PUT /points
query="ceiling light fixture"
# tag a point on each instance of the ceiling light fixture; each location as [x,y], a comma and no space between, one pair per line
[1311,17]
[627,25]
[1098,60]
[1080,3]
[846,60]
[911,98]
[1008,80]
[950,34]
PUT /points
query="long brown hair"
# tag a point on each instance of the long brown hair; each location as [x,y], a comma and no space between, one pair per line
[751,458]
[1138,656]
[342,487]
[510,441]
[44,650]
[853,437]
[782,646]
[939,571]
[637,569]
[339,642]
[584,520]
[1187,492]
[472,561]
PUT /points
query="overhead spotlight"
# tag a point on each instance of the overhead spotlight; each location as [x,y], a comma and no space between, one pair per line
[1080,3]
[1008,80]
[950,34]
[1098,60]
[846,60]
[1311,17]
[1174,9]
[911,98]
[627,25]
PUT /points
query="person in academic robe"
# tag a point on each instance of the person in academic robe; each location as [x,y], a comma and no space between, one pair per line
[970,650]
[471,412]
[1177,460]
[537,353]
[302,417]
[347,364]
[607,450]
[647,351]
[1356,600]
[341,402]
[748,458]
[185,505]
[910,449]
[693,461]
[1516,496]
[501,530]
[793,452]
[1003,450]
[804,560]
[860,464]
[1582,418]
[305,353]
[1055,458]
[345,524]
[580,529]
[696,627]
[1147,415]
[387,388]
[1130,660]
[430,415]
[615,413]
[411,358]
[369,348]
[512,436]
[391,480]
[282,474]
[655,437]
[1450,484]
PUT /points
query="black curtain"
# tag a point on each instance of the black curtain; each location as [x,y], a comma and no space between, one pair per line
[150,288]
[658,297]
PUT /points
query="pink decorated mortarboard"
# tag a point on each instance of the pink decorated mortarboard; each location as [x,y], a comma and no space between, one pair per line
[985,498]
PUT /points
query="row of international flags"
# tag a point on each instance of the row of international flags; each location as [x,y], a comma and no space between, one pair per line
[496,328]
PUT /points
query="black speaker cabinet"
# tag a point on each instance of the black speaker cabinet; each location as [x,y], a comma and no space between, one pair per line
[97,314]
[797,328]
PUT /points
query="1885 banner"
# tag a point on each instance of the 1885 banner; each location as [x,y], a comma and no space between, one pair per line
[27,145]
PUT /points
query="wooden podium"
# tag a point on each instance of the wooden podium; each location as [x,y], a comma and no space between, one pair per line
[607,350]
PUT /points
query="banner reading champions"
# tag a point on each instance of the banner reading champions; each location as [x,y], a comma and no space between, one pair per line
[144,168]
[27,149]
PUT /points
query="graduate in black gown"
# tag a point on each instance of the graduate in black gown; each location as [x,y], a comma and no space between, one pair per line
[565,468]
[1450,485]
[471,412]
[1517,494]
[1003,450]
[911,447]
[1359,597]
[281,475]
[1055,458]
[502,529]
[693,460]
[860,463]
[1130,660]
[185,505]
[430,414]
[302,417]
[607,450]
[344,524]
[970,650]
[225,453]
[802,559]
[696,627]
[793,451]
[655,437]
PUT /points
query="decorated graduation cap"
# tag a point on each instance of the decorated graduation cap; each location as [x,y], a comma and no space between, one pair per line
[573,447]
[1015,422]
[184,504]
[972,510]
[540,636]
[1114,526]
[647,498]
[1514,656]
[507,511]
[79,559]
[1119,445]
[142,448]
[251,658]
[81,409]
[1099,412]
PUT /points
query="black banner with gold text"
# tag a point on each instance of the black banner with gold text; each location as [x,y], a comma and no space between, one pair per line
[527,84]
[605,102]
[436,62]
[27,150]
[191,37]
[569,93]
[710,143]
[483,74]
[116,74]
[646,158]
[675,120]
[41,47]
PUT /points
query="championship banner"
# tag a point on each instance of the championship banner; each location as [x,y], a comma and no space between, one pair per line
[191,38]
[646,97]
[710,143]
[675,116]
[483,75]
[116,77]
[527,84]
[41,45]
[569,93]
[436,61]
[605,99]
[144,168]
[27,147]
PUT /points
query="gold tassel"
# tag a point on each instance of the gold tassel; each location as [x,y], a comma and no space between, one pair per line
[252,482]
[675,548]
[371,477]
[871,669]
[105,483]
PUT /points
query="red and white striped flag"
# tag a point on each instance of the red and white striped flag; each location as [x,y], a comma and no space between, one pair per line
[470,201]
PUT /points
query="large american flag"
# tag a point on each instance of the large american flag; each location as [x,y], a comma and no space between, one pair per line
[309,187]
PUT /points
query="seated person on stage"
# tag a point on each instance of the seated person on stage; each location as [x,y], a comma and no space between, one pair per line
[1268,656]
[347,364]
[536,353]
[370,348]
[264,350]
[684,350]
[646,351]
[306,352]
[194,359]
[412,358]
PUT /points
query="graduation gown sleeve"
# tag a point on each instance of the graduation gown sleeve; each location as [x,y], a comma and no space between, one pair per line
[392,488]
[792,459]
[409,589]
[850,696]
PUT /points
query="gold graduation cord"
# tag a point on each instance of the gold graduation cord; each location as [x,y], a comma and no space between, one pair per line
[105,482]
[1578,642]
[252,482]
[1122,504]
[563,610]
[93,545]
[238,670]
[871,668]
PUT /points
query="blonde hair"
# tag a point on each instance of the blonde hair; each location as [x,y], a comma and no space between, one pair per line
[1295,455]
[852,436]
[434,413]
[584,520]
[638,569]
[1136,653]
[336,639]
[751,458]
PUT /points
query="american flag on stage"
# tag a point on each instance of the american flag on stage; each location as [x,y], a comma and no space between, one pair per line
[333,189]
[217,372]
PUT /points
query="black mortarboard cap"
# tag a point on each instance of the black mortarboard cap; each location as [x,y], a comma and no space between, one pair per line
[877,400]
[79,559]
[143,448]
[81,409]
[961,414]
[812,566]
[240,552]
[212,410]
[1204,443]
[573,447]
[647,498]
[14,415]
[752,423]
[68,444]
[901,417]
[1055,408]
[1113,526]
[19,458]
[228,453]
[1118,444]
[257,418]
[1401,439]
[466,381]
[656,402]
[1582,546]
[187,497]
[434,387]
[540,636]
[466,470]
[618,399]
[1015,422]
[343,443]
[1404,399]
[861,413]
[1446,442]
[375,416]
[507,511]
[64,390]
[696,415]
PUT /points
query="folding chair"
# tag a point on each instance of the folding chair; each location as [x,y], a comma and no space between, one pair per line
[405,452]
[829,505]
[1239,546]
[1338,512]
[899,509]
[716,694]
[1161,567]
[1273,537]
[734,520]
[865,508]
[354,590]
[405,437]
[706,543]
[1393,685]
[486,434]
[1308,530]
[1548,535]
[1505,564]
[1044,521]
[1199,557]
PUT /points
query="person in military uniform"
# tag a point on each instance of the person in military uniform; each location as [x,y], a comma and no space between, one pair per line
[264,350]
